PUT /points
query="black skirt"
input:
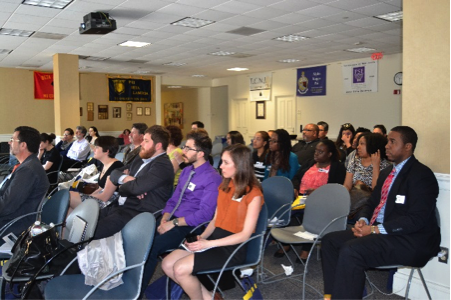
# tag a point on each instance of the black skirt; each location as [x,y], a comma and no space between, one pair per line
[214,259]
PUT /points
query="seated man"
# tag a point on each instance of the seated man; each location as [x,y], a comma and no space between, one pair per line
[79,150]
[398,225]
[64,145]
[305,148]
[144,185]
[323,128]
[22,191]
[193,202]
[136,138]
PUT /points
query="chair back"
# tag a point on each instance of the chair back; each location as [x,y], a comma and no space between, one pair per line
[88,210]
[137,237]
[216,150]
[216,160]
[55,209]
[255,246]
[278,191]
[326,203]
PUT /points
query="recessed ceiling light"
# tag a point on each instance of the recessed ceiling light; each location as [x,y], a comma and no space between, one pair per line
[222,53]
[289,60]
[142,72]
[291,38]
[391,17]
[16,32]
[174,86]
[134,44]
[192,22]
[5,51]
[48,3]
[198,75]
[360,50]
[174,64]
[237,69]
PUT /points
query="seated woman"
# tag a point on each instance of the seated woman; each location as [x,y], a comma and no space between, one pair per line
[344,140]
[105,150]
[280,160]
[49,156]
[260,143]
[355,143]
[125,135]
[324,168]
[93,134]
[174,142]
[365,167]
[239,203]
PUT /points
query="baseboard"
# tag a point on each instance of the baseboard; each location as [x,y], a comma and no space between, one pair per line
[417,291]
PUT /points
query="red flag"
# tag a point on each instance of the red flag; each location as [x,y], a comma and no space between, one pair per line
[43,85]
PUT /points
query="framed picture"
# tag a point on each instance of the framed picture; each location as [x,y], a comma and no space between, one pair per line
[147,111]
[129,116]
[116,112]
[139,111]
[103,112]
[128,107]
[90,109]
[260,110]
[173,114]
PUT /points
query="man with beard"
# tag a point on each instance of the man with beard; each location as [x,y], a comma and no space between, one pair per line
[144,185]
[193,202]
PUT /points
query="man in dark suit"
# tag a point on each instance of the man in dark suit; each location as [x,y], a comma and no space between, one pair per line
[144,185]
[398,225]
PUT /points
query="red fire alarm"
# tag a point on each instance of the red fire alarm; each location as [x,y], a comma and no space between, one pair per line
[377,56]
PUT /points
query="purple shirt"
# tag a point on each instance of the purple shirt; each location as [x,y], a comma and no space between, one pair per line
[200,198]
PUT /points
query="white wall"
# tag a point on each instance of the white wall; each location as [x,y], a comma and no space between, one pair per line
[336,108]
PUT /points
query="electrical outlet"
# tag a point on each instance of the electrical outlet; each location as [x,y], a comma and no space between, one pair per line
[443,255]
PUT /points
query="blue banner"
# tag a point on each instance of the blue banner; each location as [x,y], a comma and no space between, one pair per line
[311,81]
[129,90]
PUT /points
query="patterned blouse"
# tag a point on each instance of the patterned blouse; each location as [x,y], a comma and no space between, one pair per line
[362,173]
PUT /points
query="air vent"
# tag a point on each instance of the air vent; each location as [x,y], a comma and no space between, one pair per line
[137,61]
[246,31]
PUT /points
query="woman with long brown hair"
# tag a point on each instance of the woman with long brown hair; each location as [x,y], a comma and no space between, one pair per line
[240,199]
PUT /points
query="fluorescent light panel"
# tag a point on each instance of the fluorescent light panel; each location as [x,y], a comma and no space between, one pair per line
[222,53]
[192,22]
[391,17]
[5,51]
[360,50]
[291,38]
[16,32]
[175,64]
[288,60]
[174,86]
[237,69]
[134,44]
[60,4]
[198,75]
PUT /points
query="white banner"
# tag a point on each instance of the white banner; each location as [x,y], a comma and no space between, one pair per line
[360,77]
[260,86]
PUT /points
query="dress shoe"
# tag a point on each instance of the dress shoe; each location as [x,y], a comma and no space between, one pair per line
[279,253]
[304,260]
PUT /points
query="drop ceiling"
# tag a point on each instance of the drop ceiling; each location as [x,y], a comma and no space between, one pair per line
[331,27]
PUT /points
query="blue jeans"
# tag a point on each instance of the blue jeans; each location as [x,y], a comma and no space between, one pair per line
[162,243]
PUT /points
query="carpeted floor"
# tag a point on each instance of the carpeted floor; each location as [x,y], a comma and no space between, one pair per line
[292,288]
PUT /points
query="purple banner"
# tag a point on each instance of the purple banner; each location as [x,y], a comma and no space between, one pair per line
[311,81]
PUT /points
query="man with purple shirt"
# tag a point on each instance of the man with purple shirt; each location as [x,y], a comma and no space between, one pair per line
[193,201]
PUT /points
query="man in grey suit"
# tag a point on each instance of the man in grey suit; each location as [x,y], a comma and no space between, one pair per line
[144,185]
[23,189]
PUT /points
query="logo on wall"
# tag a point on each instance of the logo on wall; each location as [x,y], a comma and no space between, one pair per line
[358,75]
[303,84]
[119,86]
[311,81]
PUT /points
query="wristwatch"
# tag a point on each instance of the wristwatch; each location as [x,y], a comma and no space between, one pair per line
[175,222]
[373,229]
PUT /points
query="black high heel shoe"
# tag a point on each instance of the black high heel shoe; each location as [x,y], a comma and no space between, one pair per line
[279,253]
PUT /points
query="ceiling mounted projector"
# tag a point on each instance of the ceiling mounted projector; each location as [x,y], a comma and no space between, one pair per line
[97,23]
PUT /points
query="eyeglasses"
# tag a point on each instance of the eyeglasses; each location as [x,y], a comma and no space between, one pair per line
[273,141]
[321,130]
[11,140]
[186,148]
[67,134]
[346,125]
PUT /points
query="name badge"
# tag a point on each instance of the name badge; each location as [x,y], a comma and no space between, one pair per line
[400,199]
[237,200]
[191,186]
[321,170]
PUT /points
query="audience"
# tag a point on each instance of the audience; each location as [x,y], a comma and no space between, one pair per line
[49,156]
[193,202]
[239,203]
[397,226]
[323,130]
[23,189]
[380,129]
[175,139]
[364,169]
[344,140]
[260,143]
[355,143]
[196,125]
[93,134]
[79,150]
[105,150]
[281,161]
[234,137]
[66,142]
[305,148]
[145,184]
[136,138]
[125,136]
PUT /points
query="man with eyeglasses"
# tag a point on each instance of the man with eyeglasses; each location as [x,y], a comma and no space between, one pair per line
[305,148]
[66,142]
[23,189]
[323,128]
[193,202]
